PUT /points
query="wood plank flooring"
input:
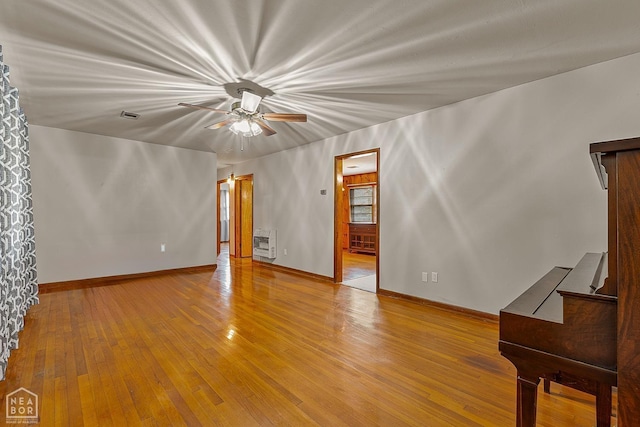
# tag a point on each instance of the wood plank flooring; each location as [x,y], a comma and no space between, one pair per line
[356,265]
[247,346]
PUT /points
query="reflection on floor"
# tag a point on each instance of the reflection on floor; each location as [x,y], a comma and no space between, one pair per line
[359,271]
[224,252]
[367,283]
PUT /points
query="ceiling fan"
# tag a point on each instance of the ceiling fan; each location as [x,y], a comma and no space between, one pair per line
[245,118]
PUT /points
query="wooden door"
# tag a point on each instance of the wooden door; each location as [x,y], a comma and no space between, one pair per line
[338,200]
[246,218]
[218,219]
[233,191]
[241,216]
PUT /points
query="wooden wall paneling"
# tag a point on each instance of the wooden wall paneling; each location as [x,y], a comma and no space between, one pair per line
[362,178]
[345,217]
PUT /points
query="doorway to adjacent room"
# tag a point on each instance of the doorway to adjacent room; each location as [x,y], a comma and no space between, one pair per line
[356,220]
[235,224]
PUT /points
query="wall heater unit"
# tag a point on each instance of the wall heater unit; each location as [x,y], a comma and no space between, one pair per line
[264,243]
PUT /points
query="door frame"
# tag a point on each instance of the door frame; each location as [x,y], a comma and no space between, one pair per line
[338,199]
[218,225]
[235,199]
[240,232]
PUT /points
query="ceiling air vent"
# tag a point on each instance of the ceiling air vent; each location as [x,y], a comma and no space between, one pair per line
[129,115]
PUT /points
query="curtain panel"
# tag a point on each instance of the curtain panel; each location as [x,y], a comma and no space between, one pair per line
[18,278]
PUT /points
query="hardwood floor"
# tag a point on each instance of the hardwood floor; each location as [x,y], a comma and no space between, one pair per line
[356,265]
[247,346]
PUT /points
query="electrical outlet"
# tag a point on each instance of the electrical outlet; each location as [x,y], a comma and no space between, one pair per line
[434,277]
[162,247]
[425,277]
[284,251]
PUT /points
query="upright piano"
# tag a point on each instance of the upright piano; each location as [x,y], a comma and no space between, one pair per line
[580,326]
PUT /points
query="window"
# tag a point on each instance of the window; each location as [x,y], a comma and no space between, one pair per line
[362,203]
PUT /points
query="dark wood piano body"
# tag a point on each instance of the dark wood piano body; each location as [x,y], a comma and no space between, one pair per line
[581,327]
[560,329]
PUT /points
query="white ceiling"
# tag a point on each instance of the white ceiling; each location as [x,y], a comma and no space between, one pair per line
[361,163]
[347,64]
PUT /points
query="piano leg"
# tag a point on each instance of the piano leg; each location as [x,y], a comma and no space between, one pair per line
[527,400]
[601,391]
[603,405]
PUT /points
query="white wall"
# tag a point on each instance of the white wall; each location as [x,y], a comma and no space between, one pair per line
[491,192]
[104,205]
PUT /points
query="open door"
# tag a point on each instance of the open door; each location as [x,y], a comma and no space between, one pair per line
[338,223]
[241,216]
[245,231]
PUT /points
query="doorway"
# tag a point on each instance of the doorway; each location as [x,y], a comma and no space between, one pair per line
[237,218]
[224,212]
[356,220]
[222,203]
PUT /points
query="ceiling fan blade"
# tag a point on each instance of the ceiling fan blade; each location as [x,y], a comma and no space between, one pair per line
[202,107]
[220,124]
[283,117]
[250,102]
[265,129]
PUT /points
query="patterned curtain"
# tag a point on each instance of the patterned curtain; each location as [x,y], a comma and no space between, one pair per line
[18,279]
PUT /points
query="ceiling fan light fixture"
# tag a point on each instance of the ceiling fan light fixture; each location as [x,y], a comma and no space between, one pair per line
[250,101]
[246,128]
[245,118]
